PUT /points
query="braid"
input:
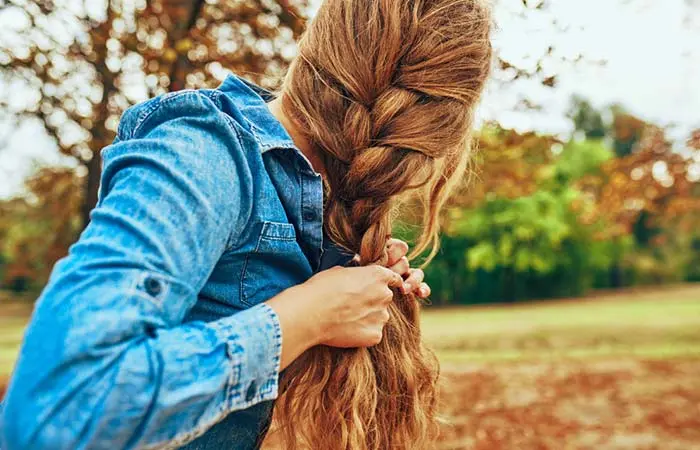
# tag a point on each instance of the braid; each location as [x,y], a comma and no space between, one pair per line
[385,90]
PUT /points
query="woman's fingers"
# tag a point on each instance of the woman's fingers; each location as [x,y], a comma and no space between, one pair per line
[401,267]
[406,279]
[396,249]
[391,278]
[415,277]
[424,290]
[414,283]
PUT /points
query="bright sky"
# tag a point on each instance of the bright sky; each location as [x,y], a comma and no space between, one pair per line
[651,49]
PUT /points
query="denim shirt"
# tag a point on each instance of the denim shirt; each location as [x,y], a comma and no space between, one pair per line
[152,333]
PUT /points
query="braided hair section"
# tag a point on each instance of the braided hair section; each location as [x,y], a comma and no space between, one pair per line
[385,90]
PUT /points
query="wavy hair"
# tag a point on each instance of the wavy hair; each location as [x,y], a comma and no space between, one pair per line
[385,91]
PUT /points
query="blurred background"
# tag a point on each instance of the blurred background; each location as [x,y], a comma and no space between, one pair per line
[566,303]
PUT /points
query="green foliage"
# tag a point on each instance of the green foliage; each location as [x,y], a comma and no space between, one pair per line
[519,248]
[693,273]
[553,218]
[580,158]
[524,234]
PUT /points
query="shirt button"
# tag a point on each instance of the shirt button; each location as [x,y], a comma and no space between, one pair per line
[250,393]
[309,216]
[152,286]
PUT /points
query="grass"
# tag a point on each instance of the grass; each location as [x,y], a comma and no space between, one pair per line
[658,323]
[14,315]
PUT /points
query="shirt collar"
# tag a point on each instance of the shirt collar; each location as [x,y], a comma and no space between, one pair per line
[251,100]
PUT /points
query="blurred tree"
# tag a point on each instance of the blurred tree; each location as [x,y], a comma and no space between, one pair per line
[550,218]
[75,66]
[652,194]
[519,248]
[654,178]
[580,158]
[13,273]
[516,232]
[627,130]
[524,233]
[36,230]
[587,119]
[506,164]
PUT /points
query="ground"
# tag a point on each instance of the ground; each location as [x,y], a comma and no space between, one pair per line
[613,371]
[616,371]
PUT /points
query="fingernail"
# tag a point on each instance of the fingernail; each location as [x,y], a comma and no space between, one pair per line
[406,288]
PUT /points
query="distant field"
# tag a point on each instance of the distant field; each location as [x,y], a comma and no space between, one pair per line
[655,323]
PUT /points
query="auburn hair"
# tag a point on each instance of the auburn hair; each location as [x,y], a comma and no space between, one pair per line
[385,91]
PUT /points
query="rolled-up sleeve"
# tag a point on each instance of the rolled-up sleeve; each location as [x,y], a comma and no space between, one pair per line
[107,361]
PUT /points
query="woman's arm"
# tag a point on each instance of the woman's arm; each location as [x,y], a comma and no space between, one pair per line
[106,360]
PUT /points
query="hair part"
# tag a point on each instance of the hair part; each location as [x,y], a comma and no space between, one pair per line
[385,91]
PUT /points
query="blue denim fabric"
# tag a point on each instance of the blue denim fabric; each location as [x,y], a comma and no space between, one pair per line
[152,333]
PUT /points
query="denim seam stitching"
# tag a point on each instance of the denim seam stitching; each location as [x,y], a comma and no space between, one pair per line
[145,114]
[163,100]
[271,379]
[243,296]
[236,363]
[257,249]
[279,238]
[244,273]
[230,241]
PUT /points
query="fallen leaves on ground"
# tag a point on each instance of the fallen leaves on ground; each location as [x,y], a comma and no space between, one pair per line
[622,404]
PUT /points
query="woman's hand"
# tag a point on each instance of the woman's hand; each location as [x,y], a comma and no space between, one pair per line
[355,306]
[413,278]
[398,262]
[339,307]
[344,306]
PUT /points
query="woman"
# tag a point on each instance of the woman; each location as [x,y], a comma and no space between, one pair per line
[193,286]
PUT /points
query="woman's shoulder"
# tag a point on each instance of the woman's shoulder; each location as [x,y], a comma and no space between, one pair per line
[191,108]
[186,139]
[191,125]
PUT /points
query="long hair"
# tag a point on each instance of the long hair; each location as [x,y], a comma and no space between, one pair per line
[385,91]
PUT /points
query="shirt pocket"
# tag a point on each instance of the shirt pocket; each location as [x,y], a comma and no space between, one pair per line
[275,264]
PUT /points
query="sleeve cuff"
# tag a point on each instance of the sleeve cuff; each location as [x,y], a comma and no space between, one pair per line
[254,348]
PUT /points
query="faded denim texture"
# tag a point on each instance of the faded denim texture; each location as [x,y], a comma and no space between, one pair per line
[151,333]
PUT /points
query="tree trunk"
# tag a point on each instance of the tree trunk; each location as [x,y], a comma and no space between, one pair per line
[100,135]
[92,184]
[183,14]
